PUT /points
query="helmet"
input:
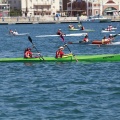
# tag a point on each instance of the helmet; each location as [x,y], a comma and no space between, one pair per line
[59,29]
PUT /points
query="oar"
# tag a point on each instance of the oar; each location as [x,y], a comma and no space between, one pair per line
[70,51]
[116,35]
[75,42]
[30,39]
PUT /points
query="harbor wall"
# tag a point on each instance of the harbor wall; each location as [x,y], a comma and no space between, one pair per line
[46,19]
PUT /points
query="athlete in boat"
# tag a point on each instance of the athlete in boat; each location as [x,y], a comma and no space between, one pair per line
[60,33]
[28,54]
[86,38]
[105,40]
[10,32]
[71,26]
[82,28]
[60,53]
[15,33]
[110,38]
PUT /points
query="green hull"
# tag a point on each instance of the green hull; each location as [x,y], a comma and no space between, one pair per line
[87,58]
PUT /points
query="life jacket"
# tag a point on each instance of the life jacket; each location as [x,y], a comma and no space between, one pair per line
[28,54]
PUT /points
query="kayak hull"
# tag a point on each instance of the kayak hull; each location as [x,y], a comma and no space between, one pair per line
[99,42]
[80,58]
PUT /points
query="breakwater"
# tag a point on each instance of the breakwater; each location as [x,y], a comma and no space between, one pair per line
[46,19]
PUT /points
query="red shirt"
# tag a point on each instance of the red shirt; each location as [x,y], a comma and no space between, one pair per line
[59,53]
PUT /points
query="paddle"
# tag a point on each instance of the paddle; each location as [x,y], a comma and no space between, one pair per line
[75,42]
[70,51]
[116,35]
[30,39]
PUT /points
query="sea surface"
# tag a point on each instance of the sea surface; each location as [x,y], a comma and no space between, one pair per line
[58,91]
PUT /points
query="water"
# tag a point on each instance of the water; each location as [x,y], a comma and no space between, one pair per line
[58,91]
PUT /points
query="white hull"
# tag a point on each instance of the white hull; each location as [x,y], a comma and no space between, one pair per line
[76,34]
[19,34]
[105,31]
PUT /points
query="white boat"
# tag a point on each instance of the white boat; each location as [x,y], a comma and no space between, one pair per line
[75,34]
[96,19]
[19,34]
[114,28]
[115,34]
[106,31]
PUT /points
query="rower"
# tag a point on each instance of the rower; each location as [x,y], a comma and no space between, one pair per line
[105,40]
[28,53]
[59,32]
[15,33]
[82,28]
[86,38]
[10,32]
[71,26]
[110,38]
[60,53]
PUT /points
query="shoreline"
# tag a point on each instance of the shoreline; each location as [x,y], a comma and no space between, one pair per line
[46,20]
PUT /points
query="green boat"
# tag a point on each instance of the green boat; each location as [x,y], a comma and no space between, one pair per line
[86,58]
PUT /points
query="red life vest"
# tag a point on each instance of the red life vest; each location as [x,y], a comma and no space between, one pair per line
[59,54]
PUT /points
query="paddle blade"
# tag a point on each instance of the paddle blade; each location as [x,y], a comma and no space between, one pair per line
[116,35]
[30,39]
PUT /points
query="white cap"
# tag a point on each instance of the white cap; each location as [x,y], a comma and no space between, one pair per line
[61,47]
[59,29]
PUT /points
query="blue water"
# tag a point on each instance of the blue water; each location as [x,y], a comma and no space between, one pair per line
[58,91]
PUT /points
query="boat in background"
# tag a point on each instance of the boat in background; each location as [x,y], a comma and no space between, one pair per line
[96,19]
[80,58]
[75,34]
[106,31]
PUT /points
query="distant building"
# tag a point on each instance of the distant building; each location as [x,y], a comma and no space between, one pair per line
[101,7]
[91,7]
[36,7]
[4,8]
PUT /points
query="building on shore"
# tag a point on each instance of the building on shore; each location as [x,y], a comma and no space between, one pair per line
[92,7]
[36,7]
[4,8]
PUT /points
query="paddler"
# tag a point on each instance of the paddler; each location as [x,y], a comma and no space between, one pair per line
[60,33]
[15,33]
[105,40]
[10,32]
[86,38]
[71,26]
[82,28]
[60,53]
[110,38]
[28,53]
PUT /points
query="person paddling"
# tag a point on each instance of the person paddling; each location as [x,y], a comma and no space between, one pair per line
[60,33]
[82,28]
[60,53]
[110,38]
[10,32]
[28,53]
[71,26]
[15,33]
[86,38]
